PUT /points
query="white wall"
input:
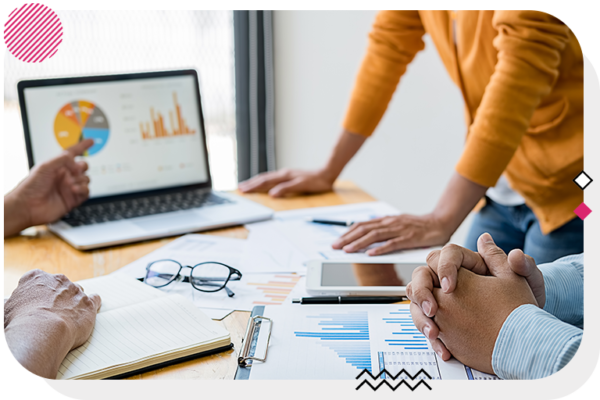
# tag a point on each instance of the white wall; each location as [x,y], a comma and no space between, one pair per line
[410,157]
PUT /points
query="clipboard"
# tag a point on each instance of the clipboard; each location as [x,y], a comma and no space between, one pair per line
[249,343]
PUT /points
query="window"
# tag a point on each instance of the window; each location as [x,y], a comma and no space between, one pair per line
[107,42]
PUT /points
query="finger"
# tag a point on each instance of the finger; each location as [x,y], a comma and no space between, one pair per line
[81,180]
[288,188]
[398,243]
[263,182]
[420,289]
[80,189]
[82,166]
[524,265]
[431,331]
[407,241]
[440,349]
[79,148]
[493,256]
[374,236]
[96,300]
[356,231]
[450,259]
[64,160]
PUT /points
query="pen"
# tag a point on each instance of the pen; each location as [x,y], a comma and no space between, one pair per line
[328,222]
[349,300]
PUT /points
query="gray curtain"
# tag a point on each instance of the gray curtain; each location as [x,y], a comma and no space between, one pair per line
[253,36]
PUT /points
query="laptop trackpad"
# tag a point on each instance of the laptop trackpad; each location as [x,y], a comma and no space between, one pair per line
[169,221]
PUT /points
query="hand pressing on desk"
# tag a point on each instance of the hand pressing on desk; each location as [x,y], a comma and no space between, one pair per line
[461,299]
[46,317]
[398,232]
[411,231]
[51,190]
[289,182]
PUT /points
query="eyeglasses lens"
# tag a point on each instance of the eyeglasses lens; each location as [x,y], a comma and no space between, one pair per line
[161,272]
[209,277]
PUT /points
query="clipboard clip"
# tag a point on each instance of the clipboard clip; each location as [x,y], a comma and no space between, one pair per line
[250,341]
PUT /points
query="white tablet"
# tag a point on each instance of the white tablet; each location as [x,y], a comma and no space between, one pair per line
[338,278]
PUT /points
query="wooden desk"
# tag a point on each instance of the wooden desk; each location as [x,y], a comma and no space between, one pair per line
[45,251]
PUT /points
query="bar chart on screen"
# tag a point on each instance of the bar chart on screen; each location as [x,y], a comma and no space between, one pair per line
[157,128]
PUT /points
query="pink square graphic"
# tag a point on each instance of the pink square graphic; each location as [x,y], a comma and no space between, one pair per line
[582,211]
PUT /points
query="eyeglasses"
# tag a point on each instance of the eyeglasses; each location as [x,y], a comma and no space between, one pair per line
[209,276]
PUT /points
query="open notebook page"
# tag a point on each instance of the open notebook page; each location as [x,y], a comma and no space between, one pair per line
[141,331]
[118,291]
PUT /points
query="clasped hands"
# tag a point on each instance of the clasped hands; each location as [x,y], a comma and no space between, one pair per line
[461,299]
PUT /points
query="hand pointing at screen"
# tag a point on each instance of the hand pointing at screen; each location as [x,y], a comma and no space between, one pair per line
[52,189]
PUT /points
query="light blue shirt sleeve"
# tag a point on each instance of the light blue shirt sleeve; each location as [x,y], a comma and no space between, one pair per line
[534,343]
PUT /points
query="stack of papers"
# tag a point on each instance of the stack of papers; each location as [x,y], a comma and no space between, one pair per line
[273,258]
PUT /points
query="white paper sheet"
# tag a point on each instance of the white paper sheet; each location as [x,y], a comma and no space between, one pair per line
[338,342]
[190,250]
[267,250]
[251,290]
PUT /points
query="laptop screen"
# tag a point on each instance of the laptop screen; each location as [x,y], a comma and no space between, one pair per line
[147,132]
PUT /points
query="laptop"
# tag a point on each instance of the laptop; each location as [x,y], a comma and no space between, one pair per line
[148,166]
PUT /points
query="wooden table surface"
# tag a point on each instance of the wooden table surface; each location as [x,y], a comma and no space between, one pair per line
[43,250]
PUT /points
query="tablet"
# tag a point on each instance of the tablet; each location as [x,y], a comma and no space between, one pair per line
[335,278]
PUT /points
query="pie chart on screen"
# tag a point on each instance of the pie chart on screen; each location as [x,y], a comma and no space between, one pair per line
[79,120]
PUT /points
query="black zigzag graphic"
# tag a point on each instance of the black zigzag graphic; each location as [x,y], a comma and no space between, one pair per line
[394,377]
[384,371]
[385,382]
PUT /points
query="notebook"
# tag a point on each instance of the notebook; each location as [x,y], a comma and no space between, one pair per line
[139,328]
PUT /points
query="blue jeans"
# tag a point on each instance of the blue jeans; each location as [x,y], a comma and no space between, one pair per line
[516,227]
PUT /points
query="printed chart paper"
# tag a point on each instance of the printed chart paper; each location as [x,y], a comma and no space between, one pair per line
[339,342]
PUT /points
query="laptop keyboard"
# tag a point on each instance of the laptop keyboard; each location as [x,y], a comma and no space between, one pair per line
[96,213]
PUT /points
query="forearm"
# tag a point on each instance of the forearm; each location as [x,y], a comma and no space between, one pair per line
[459,198]
[346,147]
[16,217]
[39,342]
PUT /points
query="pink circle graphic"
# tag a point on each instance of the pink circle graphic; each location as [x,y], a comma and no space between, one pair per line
[33,32]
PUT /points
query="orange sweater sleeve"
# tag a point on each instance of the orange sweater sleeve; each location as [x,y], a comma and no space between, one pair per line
[529,45]
[394,40]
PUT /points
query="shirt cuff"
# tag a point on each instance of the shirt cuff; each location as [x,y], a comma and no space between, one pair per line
[533,344]
[563,280]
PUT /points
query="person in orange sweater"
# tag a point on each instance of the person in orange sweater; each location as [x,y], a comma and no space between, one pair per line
[521,76]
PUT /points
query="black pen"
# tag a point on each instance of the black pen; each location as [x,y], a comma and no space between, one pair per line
[349,300]
[329,222]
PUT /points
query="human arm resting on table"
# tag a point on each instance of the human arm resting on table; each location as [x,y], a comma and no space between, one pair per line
[408,231]
[288,182]
[46,317]
[394,40]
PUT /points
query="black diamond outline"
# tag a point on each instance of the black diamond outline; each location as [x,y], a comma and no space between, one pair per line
[587,184]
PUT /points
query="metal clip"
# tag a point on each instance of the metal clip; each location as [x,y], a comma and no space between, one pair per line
[249,339]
